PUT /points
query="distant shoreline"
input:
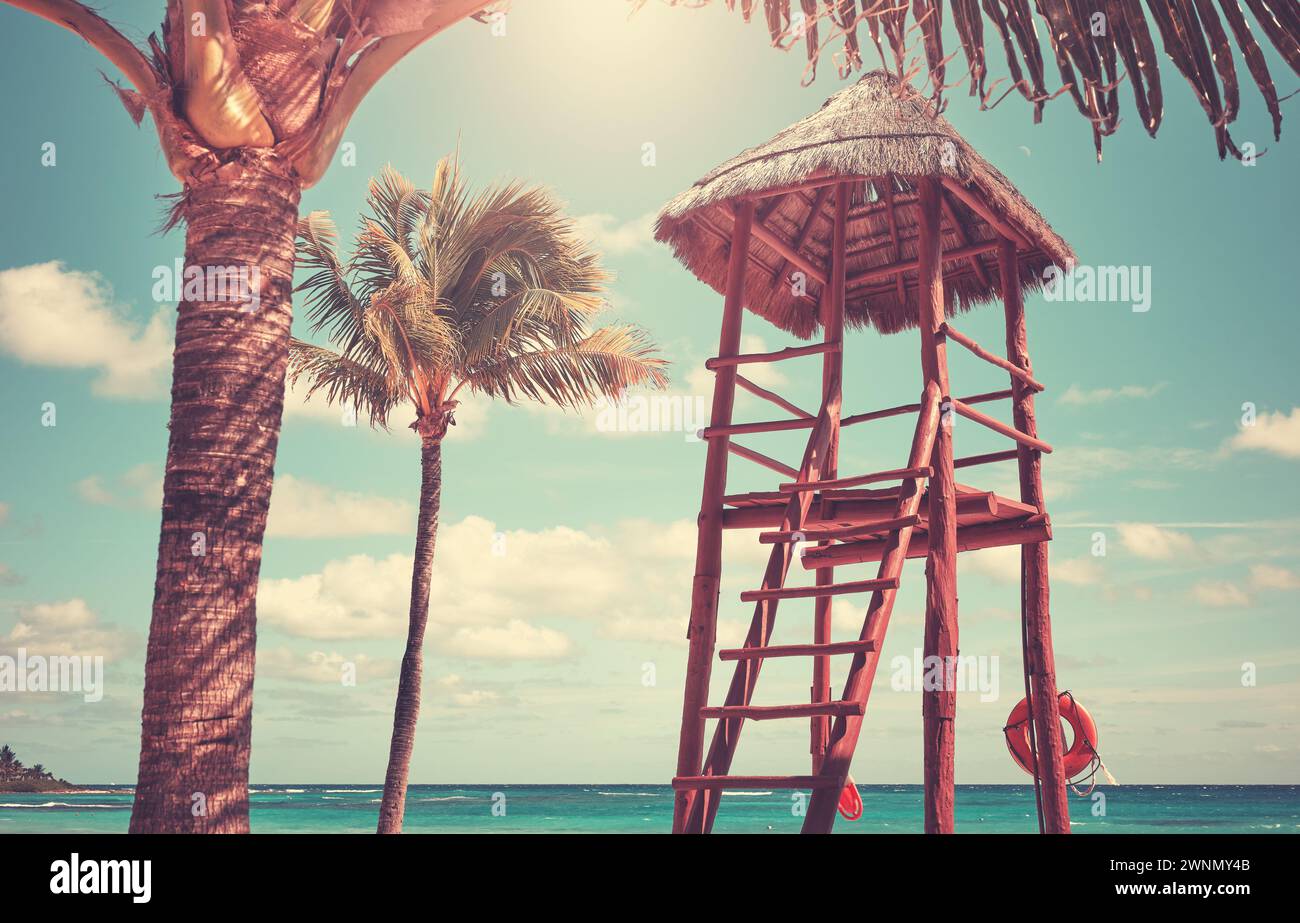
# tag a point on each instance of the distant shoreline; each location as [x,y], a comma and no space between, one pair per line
[39,787]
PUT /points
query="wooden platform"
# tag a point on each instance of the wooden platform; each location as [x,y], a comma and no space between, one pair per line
[984,520]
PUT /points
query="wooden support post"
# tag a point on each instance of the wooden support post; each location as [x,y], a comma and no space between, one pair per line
[701,631]
[1035,595]
[938,705]
[832,366]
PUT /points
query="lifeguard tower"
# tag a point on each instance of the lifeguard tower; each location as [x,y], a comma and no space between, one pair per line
[876,213]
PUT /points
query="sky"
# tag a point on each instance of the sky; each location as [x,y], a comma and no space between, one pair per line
[556,648]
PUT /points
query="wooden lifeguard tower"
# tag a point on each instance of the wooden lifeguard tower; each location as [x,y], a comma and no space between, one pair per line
[872,212]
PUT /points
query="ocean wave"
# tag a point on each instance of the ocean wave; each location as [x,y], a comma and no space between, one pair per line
[58,804]
[631,794]
[747,793]
[353,791]
[449,798]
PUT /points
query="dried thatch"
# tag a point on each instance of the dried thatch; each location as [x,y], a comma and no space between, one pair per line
[878,128]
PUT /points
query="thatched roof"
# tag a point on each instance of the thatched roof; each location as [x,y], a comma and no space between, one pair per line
[884,132]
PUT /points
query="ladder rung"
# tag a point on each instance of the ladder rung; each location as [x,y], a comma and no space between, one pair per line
[753,782]
[895,474]
[770,426]
[823,533]
[790,352]
[768,712]
[816,592]
[797,650]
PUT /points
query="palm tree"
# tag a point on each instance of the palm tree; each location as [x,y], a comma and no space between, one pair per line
[250,101]
[7,759]
[445,293]
[37,770]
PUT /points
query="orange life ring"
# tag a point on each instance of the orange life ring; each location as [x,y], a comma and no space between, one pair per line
[850,806]
[1075,760]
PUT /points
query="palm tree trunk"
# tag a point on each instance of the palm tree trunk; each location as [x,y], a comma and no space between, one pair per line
[407,712]
[227,398]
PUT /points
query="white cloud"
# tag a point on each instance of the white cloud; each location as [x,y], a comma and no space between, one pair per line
[357,597]
[614,237]
[1276,433]
[320,667]
[1269,577]
[1083,571]
[62,318]
[68,628]
[1081,397]
[515,640]
[1220,594]
[139,487]
[632,581]
[1001,564]
[1147,540]
[304,509]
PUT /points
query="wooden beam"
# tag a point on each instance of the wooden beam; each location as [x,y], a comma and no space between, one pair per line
[938,706]
[774,241]
[771,397]
[769,712]
[772,426]
[975,204]
[813,181]
[913,408]
[758,458]
[962,235]
[832,369]
[896,474]
[850,508]
[795,650]
[859,279]
[972,460]
[780,355]
[839,533]
[702,627]
[969,538]
[748,782]
[1035,593]
[819,201]
[894,237]
[816,592]
[1014,370]
[970,413]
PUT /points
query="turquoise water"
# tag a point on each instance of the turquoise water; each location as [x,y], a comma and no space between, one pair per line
[648,809]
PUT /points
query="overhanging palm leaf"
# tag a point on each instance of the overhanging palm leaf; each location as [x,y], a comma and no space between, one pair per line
[1096,45]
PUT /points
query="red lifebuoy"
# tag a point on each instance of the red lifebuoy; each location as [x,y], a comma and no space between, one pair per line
[850,805]
[1075,760]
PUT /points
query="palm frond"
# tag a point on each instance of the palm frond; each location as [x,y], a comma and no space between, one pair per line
[494,291]
[344,381]
[605,363]
[1096,44]
[330,302]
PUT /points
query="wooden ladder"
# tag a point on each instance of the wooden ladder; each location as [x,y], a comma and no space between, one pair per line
[847,712]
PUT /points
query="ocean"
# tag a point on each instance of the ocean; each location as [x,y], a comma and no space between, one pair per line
[648,809]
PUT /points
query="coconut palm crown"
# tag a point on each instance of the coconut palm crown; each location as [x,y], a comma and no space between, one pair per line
[446,291]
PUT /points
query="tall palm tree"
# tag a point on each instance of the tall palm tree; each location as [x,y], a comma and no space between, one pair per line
[7,757]
[250,99]
[449,293]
